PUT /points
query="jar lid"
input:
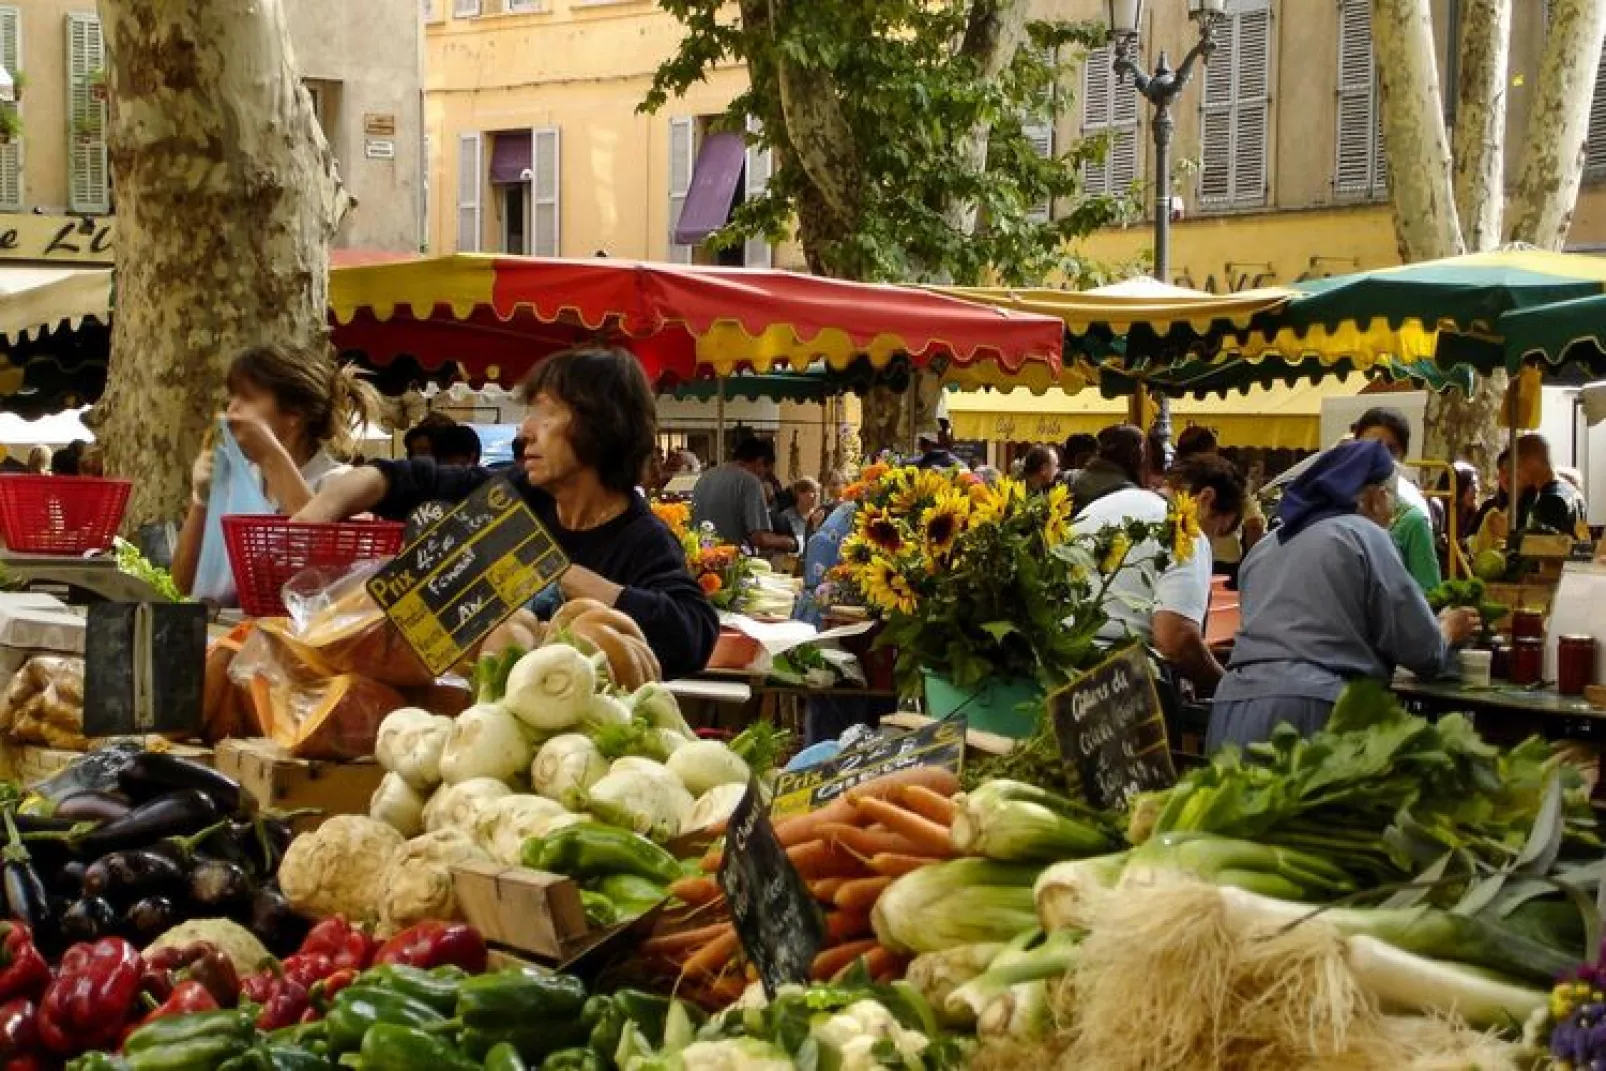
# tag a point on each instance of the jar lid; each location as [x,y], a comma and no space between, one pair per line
[1578,639]
[1529,641]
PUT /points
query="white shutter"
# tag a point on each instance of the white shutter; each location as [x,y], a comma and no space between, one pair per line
[756,251]
[1110,109]
[1358,167]
[465,9]
[11,151]
[1215,136]
[425,182]
[470,177]
[1595,146]
[545,216]
[682,158]
[88,183]
[1236,120]
[1041,136]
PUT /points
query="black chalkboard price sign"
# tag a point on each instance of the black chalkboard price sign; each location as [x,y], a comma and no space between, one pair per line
[1111,730]
[942,743]
[776,919]
[467,573]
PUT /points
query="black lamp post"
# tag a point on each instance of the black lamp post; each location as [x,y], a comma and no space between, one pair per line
[1161,89]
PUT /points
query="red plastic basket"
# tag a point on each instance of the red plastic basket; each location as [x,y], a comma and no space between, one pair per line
[266,552]
[61,514]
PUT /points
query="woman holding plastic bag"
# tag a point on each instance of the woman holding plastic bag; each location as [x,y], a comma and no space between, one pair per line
[289,414]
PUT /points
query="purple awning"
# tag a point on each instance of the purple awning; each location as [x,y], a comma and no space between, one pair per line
[510,157]
[713,185]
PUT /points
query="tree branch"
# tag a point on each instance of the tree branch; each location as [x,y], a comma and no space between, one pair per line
[995,32]
[1480,121]
[1425,222]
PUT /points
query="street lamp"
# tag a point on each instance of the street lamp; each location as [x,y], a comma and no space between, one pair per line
[1161,89]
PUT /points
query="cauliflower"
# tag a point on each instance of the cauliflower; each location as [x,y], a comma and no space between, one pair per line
[418,881]
[339,868]
[854,1032]
[735,1054]
[227,936]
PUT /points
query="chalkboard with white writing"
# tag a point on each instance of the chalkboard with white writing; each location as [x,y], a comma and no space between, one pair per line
[1111,730]
[776,919]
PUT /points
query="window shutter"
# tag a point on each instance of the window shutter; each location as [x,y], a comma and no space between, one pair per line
[470,171]
[11,151]
[1236,120]
[546,163]
[465,9]
[1110,109]
[1215,141]
[757,251]
[682,158]
[1595,146]
[1358,168]
[88,184]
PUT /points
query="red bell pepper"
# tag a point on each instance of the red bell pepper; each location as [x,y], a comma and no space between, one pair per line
[187,997]
[23,970]
[347,946]
[436,944]
[19,1029]
[92,997]
[324,991]
[285,1003]
[307,968]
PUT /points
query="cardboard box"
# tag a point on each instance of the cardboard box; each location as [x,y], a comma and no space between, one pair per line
[526,910]
[40,624]
[285,783]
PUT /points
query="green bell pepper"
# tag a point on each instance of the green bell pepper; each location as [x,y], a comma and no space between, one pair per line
[532,1043]
[601,912]
[269,1057]
[626,1006]
[574,1060]
[439,991]
[393,1047]
[631,894]
[179,1029]
[591,850]
[194,1054]
[358,1009]
[97,1061]
[504,1057]
[314,1037]
[520,999]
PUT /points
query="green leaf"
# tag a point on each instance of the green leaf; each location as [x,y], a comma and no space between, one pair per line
[999,629]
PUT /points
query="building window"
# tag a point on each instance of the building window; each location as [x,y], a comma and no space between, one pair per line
[1359,170]
[515,7]
[515,205]
[525,172]
[432,10]
[682,158]
[89,181]
[545,210]
[1110,112]
[711,171]
[469,171]
[11,150]
[1236,122]
[757,252]
[465,9]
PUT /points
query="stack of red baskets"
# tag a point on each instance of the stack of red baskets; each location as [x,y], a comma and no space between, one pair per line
[266,552]
[61,514]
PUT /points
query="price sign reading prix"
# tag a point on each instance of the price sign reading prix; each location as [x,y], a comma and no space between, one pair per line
[1111,730]
[776,919]
[942,743]
[467,573]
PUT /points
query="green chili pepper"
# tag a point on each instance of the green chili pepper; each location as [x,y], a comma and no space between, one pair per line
[97,1061]
[519,998]
[193,1054]
[269,1057]
[504,1057]
[392,1047]
[590,850]
[177,1029]
[533,1043]
[426,987]
[358,1009]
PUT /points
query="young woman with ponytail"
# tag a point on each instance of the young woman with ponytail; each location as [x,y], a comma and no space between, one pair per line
[294,414]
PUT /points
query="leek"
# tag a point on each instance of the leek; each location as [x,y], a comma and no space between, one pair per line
[1018,823]
[935,975]
[1051,959]
[959,902]
[1021,1013]
[1063,890]
[1415,983]
[1281,873]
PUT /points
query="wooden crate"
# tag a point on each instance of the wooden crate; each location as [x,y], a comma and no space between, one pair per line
[526,910]
[284,783]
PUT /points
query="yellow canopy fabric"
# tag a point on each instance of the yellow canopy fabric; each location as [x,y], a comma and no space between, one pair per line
[34,300]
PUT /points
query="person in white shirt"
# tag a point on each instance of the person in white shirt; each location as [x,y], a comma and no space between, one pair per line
[1167,610]
[287,410]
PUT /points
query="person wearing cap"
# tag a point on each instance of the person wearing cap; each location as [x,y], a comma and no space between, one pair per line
[1326,599]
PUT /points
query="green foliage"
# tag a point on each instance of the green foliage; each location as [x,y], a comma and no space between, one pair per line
[910,94]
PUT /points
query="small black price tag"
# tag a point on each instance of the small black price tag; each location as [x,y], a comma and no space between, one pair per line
[1111,730]
[776,919]
[143,668]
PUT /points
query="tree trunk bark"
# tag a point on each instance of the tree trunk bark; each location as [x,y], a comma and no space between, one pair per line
[227,198]
[1541,210]
[1480,121]
[1425,221]
[996,31]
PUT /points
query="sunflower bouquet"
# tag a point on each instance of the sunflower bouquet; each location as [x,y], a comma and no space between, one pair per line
[979,582]
[723,572]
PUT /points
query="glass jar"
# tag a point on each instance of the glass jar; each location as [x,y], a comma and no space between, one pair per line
[1527,625]
[1500,667]
[1575,664]
[1527,661]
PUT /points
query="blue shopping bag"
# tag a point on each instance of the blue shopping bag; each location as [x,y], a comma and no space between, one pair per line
[236,489]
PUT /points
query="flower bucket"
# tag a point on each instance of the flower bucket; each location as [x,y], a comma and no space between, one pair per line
[992,707]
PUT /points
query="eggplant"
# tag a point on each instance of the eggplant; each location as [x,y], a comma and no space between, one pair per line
[275,923]
[93,807]
[70,877]
[133,875]
[149,919]
[42,823]
[26,898]
[88,919]
[156,773]
[174,814]
[95,772]
[219,887]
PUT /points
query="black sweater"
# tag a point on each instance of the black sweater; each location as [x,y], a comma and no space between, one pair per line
[634,550]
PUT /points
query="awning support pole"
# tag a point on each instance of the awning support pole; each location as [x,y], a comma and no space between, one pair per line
[719,430]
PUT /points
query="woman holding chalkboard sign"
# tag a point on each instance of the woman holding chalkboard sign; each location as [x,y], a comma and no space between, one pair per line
[590,430]
[1326,600]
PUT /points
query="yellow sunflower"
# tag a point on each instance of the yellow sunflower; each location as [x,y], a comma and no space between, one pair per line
[1117,555]
[1057,529]
[887,589]
[856,550]
[1001,500]
[882,530]
[1185,517]
[942,522]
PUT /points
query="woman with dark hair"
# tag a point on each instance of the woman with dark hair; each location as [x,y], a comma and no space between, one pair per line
[591,426]
[291,412]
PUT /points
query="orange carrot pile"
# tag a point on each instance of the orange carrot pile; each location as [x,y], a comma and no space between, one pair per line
[848,853]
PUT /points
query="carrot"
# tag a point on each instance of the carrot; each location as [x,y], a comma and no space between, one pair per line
[942,781]
[880,962]
[846,925]
[896,866]
[712,958]
[710,862]
[671,944]
[799,828]
[931,838]
[824,890]
[860,895]
[828,963]
[695,891]
[817,859]
[928,804]
[867,842]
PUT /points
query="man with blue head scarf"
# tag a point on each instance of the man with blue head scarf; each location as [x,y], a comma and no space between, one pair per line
[1326,600]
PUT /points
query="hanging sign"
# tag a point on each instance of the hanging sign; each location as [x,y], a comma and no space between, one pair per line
[776,918]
